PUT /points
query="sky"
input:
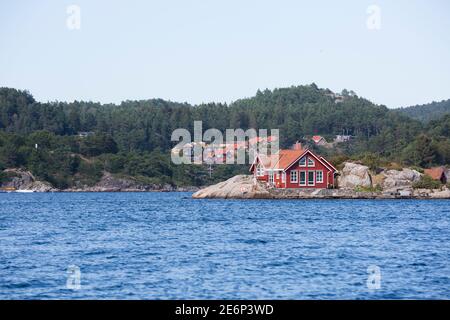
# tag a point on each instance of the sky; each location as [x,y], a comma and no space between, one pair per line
[395,53]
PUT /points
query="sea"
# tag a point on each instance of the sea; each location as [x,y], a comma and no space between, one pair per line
[160,245]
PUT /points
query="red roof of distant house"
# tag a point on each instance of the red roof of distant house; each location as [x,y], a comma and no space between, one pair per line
[316,139]
[435,173]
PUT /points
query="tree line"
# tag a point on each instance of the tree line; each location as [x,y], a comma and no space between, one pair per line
[133,138]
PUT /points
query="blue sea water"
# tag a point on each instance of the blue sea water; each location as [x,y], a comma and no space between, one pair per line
[169,246]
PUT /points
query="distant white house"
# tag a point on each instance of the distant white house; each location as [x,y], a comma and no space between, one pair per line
[84,134]
[337,97]
[342,138]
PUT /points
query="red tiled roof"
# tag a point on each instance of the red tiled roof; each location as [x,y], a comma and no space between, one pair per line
[317,138]
[281,160]
[285,158]
[435,173]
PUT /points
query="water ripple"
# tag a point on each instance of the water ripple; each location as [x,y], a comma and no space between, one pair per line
[168,246]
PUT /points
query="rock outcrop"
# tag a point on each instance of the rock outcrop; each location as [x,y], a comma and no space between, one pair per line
[112,183]
[42,186]
[400,178]
[24,180]
[241,187]
[354,175]
[440,194]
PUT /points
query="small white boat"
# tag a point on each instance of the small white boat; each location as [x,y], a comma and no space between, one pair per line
[24,191]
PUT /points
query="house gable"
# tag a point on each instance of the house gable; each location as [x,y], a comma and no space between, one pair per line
[321,160]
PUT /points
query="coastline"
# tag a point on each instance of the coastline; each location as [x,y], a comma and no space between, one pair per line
[88,190]
[245,187]
[22,181]
[349,195]
[396,185]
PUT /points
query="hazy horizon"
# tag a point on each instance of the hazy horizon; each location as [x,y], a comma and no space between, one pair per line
[393,54]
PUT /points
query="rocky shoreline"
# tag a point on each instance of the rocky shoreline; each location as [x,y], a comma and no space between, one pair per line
[24,181]
[355,182]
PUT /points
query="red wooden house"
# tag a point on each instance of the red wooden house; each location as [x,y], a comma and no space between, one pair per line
[296,168]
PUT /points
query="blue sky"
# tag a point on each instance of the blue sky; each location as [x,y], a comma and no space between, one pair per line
[202,51]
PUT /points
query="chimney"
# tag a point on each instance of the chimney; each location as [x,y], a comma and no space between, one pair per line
[297,146]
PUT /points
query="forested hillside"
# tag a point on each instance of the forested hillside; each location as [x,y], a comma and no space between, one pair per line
[427,112]
[133,138]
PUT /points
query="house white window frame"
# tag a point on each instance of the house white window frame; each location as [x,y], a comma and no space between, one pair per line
[259,170]
[296,176]
[314,178]
[283,177]
[271,177]
[299,178]
[312,164]
[300,162]
[321,176]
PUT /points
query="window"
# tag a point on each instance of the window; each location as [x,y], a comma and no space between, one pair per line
[283,177]
[319,176]
[303,178]
[302,162]
[271,180]
[259,171]
[294,177]
[310,162]
[310,178]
